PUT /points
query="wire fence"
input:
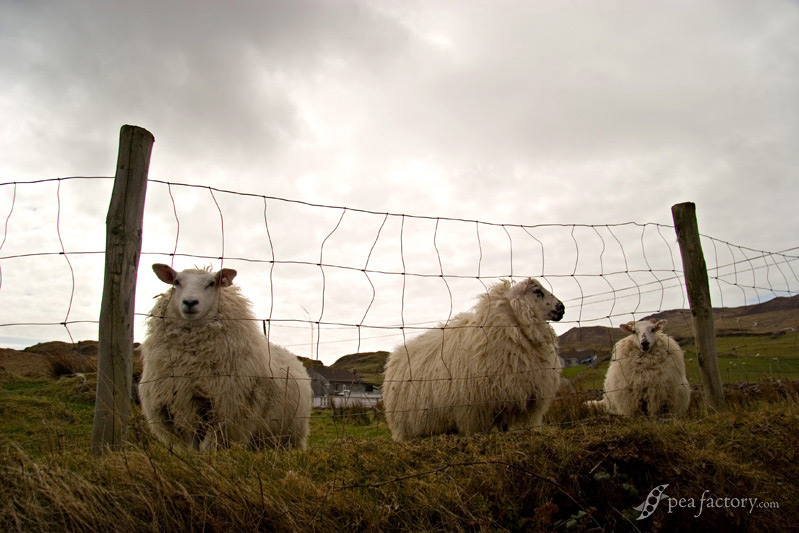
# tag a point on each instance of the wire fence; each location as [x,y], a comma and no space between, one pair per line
[327,281]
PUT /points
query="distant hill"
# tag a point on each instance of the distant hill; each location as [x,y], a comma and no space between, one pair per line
[591,338]
[86,348]
[374,362]
[766,318]
[369,365]
[310,363]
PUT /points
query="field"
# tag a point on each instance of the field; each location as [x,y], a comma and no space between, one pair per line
[579,473]
[741,359]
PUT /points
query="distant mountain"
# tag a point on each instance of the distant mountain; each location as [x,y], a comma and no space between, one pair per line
[776,304]
[592,338]
[766,318]
[368,365]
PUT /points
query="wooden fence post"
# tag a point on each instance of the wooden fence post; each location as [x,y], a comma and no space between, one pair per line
[696,283]
[122,250]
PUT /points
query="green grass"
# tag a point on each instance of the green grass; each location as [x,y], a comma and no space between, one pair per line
[41,413]
[740,359]
[751,358]
[578,476]
[328,427]
[581,472]
[34,412]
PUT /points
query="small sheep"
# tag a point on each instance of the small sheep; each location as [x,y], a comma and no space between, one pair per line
[646,373]
[210,378]
[493,366]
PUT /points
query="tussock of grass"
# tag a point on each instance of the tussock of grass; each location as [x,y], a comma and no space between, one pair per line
[583,473]
[65,364]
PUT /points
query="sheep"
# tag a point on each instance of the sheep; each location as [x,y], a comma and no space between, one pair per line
[210,378]
[494,366]
[646,373]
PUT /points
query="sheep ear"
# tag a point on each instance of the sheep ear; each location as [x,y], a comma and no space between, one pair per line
[660,324]
[165,273]
[629,327]
[224,278]
[517,290]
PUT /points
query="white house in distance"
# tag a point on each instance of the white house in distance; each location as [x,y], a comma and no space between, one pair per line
[336,387]
[577,358]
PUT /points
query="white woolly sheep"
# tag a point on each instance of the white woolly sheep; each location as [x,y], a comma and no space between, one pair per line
[646,373]
[494,366]
[210,377]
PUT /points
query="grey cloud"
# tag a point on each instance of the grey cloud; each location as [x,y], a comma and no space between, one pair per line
[213,79]
[595,82]
[515,112]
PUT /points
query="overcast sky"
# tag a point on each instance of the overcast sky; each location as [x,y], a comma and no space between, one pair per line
[512,112]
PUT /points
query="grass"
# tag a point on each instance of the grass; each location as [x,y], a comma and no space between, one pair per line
[62,364]
[580,473]
[583,476]
[750,358]
[43,413]
[328,427]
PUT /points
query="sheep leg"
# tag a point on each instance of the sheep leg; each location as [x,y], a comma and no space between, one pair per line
[209,443]
[204,435]
[643,405]
[166,419]
[163,423]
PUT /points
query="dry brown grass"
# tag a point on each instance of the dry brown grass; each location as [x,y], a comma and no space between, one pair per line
[585,473]
[64,364]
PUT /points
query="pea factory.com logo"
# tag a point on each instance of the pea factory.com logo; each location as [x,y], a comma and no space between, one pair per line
[706,501]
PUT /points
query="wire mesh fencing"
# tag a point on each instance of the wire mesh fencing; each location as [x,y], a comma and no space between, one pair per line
[330,281]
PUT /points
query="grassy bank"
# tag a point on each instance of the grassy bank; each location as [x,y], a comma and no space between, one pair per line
[744,358]
[580,473]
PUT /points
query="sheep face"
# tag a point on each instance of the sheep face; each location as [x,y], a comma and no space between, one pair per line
[540,300]
[645,331]
[195,292]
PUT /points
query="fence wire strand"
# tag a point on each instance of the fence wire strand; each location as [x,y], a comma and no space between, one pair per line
[601,273]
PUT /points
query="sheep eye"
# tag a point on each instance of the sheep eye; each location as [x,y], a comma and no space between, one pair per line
[211,284]
[539,293]
[176,284]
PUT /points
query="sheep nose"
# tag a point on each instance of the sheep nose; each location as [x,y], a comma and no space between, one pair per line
[190,303]
[558,312]
[644,345]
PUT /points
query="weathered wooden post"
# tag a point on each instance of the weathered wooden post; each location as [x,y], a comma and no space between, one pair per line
[122,250]
[696,283]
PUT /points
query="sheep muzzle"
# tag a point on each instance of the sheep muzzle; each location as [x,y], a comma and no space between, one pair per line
[557,313]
